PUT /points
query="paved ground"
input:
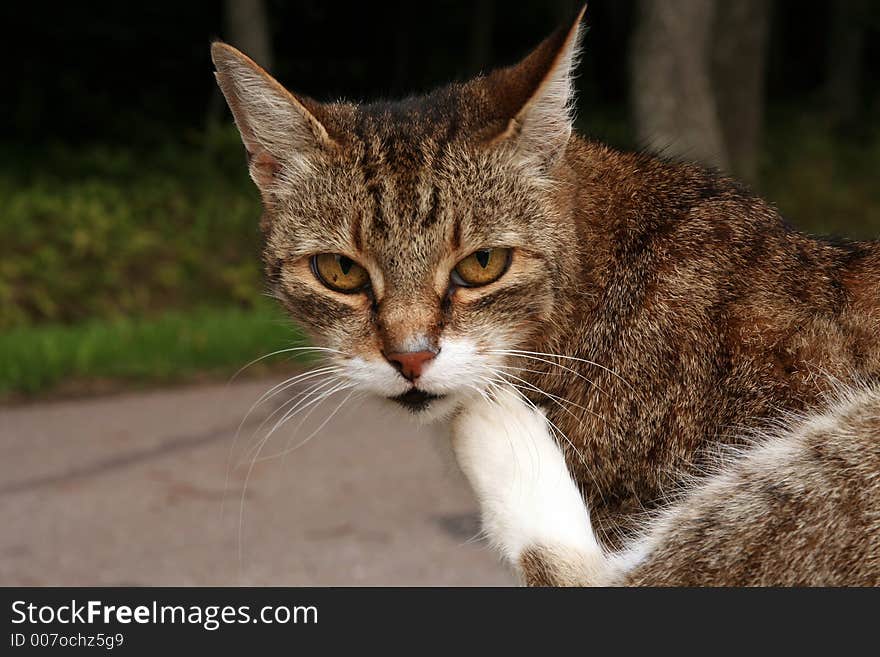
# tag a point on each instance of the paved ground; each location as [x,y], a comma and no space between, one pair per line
[131,490]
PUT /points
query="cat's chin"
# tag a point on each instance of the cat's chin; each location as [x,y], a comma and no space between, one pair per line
[426,407]
[415,400]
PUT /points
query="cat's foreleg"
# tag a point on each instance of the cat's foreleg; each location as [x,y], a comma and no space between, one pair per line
[532,510]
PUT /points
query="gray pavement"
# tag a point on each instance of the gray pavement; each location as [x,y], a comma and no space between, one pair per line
[132,490]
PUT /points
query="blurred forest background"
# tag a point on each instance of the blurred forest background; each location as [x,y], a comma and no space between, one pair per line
[128,226]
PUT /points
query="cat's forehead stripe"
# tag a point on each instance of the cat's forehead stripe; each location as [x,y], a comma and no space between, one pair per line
[356,227]
[398,153]
[372,173]
[430,217]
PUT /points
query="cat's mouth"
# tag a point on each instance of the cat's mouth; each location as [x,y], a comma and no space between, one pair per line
[416,400]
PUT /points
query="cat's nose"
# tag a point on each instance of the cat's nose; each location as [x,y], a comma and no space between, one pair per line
[410,363]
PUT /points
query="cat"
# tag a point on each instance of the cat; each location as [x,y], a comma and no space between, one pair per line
[599,328]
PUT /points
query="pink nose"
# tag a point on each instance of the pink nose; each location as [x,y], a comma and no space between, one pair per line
[410,363]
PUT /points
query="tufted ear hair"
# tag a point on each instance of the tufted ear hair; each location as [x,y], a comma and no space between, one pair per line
[280,131]
[537,95]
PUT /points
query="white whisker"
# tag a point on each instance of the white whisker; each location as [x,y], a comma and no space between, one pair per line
[274,390]
[561,366]
[305,440]
[555,398]
[574,358]
[281,351]
[320,397]
[299,402]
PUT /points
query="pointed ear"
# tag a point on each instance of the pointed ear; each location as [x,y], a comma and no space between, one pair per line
[540,96]
[280,134]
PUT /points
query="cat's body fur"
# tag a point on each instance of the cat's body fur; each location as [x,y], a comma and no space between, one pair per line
[656,311]
[714,316]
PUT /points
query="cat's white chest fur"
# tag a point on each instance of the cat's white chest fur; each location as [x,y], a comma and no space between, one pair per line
[528,499]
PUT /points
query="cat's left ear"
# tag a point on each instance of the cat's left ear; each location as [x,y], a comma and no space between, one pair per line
[539,96]
[280,131]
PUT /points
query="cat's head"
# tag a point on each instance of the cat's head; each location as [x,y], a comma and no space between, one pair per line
[419,240]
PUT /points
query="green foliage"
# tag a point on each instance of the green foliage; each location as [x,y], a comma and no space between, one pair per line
[822,178]
[108,233]
[166,348]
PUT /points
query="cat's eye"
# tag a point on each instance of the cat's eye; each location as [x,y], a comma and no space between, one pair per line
[340,273]
[481,267]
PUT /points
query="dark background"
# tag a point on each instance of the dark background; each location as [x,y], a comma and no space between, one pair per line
[133,72]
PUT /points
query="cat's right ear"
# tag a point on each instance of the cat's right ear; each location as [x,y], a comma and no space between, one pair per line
[536,96]
[280,134]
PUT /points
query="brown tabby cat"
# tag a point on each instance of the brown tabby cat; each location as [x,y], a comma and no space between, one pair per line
[598,326]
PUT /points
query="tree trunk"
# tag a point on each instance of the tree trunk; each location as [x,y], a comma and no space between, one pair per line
[739,51]
[247,28]
[672,94]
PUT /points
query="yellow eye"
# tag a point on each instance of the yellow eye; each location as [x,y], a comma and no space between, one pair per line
[340,273]
[481,267]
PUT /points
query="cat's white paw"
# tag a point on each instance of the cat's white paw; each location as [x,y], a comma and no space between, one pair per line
[518,473]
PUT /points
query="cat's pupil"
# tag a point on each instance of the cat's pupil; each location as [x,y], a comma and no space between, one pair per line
[483,257]
[346,263]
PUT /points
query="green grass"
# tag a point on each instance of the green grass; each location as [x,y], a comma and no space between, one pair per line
[167,348]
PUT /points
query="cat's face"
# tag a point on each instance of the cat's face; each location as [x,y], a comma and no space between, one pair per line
[418,241]
[416,269]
